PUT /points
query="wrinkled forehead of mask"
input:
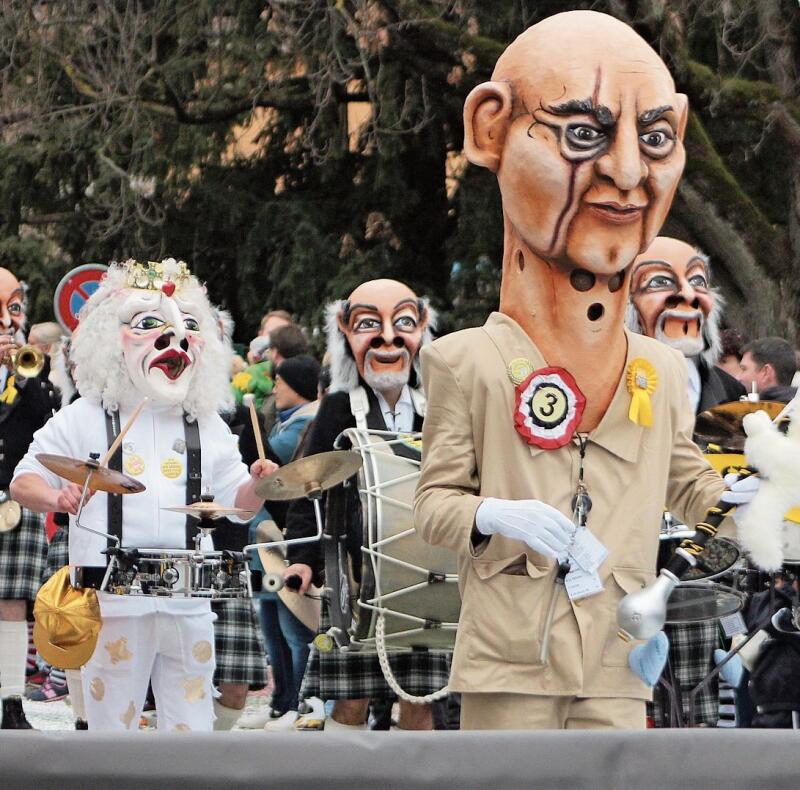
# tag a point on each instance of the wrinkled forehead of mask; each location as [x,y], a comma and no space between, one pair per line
[382,299]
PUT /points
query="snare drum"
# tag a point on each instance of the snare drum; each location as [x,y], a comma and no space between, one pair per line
[178,573]
[415,585]
[701,601]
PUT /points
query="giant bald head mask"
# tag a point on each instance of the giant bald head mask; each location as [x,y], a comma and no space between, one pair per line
[583,127]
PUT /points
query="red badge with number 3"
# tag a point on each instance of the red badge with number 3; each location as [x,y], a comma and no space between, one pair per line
[549,407]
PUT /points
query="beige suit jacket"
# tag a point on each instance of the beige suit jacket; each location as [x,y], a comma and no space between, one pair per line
[472,451]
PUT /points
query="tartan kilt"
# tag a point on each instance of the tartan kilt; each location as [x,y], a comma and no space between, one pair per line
[691,656]
[358,675]
[23,555]
[57,553]
[237,639]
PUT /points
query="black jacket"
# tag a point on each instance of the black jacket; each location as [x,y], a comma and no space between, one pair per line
[333,417]
[716,386]
[774,685]
[31,409]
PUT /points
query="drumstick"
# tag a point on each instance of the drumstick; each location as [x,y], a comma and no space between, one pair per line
[250,400]
[116,443]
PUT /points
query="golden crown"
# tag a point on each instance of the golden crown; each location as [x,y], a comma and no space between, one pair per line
[154,275]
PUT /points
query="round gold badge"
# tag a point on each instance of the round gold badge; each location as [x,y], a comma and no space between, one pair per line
[171,468]
[134,464]
[519,369]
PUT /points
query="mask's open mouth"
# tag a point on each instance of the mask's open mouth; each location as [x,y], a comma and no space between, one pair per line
[387,357]
[171,363]
[677,324]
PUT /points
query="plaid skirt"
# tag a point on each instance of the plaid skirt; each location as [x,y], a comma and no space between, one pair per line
[691,656]
[57,553]
[239,648]
[358,675]
[23,555]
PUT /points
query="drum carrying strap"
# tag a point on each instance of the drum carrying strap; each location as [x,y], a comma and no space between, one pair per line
[359,406]
[191,432]
[115,463]
[194,473]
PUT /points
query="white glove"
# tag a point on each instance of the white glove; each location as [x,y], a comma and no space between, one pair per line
[740,493]
[536,523]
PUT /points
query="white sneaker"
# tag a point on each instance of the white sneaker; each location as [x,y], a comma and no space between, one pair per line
[256,719]
[283,723]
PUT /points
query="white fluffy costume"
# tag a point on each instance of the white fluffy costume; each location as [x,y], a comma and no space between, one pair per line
[147,330]
[776,456]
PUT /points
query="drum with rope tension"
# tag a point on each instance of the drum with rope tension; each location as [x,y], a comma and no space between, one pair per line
[410,585]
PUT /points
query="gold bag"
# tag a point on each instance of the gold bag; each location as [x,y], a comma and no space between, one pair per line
[67,622]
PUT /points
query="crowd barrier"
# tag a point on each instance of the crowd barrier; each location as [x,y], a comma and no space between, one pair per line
[496,760]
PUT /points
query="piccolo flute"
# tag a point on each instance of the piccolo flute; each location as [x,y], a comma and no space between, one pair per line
[642,614]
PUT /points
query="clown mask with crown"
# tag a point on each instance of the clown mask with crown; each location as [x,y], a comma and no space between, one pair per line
[149,330]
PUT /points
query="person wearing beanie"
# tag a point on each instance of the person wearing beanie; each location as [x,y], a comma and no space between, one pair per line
[286,638]
[301,375]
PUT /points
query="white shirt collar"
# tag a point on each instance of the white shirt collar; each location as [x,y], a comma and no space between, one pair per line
[402,418]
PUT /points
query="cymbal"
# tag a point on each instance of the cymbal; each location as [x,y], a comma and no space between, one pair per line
[103,478]
[309,475]
[722,424]
[210,510]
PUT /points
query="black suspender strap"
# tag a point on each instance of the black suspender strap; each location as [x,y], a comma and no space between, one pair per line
[191,432]
[193,475]
[115,463]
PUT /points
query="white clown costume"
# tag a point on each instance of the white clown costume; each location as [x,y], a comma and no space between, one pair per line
[167,329]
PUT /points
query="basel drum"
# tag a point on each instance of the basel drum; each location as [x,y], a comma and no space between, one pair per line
[413,585]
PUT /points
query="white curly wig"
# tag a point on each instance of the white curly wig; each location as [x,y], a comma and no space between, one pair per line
[344,373]
[100,371]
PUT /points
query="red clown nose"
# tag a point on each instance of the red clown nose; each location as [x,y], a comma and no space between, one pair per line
[168,288]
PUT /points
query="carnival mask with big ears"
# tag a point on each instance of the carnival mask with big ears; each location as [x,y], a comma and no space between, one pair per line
[384,323]
[161,339]
[672,298]
[583,127]
[12,305]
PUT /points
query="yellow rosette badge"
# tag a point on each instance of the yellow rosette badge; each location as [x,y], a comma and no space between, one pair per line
[641,381]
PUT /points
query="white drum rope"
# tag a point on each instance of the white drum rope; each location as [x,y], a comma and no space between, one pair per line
[383,658]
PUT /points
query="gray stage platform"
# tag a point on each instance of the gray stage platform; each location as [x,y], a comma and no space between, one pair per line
[566,760]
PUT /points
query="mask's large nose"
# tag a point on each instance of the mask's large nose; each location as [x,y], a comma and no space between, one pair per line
[623,162]
[5,316]
[174,319]
[686,295]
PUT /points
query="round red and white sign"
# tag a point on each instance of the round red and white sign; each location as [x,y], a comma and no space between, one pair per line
[549,407]
[74,290]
